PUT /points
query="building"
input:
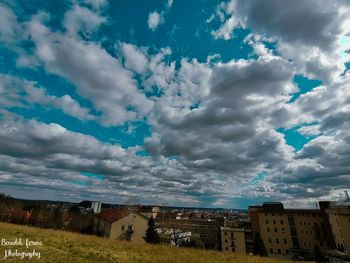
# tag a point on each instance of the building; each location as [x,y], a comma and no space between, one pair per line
[291,232]
[233,240]
[236,236]
[339,219]
[205,231]
[118,224]
[96,206]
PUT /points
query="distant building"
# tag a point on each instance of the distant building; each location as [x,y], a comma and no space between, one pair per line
[205,231]
[291,232]
[155,211]
[96,206]
[118,224]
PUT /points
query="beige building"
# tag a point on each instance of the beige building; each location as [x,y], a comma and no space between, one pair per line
[339,218]
[233,240]
[290,232]
[236,236]
[118,224]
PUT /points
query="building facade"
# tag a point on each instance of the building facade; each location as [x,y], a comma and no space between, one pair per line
[291,232]
[118,224]
[205,231]
[236,236]
[339,219]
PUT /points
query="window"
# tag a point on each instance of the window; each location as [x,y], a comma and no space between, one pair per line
[267,221]
[287,252]
[279,251]
[225,233]
[270,240]
[274,222]
[285,241]
[281,222]
[277,241]
[226,248]
[275,229]
[268,229]
[282,229]
[225,240]
[271,250]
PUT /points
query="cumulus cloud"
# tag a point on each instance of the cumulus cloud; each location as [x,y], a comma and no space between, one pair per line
[157,18]
[154,20]
[50,158]
[98,76]
[307,33]
[81,19]
[214,124]
[9,27]
[16,92]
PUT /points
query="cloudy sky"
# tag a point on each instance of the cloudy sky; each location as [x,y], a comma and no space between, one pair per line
[197,103]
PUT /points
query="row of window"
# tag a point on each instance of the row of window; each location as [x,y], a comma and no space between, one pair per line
[315,224]
[275,229]
[278,241]
[299,214]
[279,252]
[274,222]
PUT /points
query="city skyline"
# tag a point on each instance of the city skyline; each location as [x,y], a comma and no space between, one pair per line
[180,103]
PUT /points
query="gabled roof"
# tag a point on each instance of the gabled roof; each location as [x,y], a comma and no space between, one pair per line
[112,215]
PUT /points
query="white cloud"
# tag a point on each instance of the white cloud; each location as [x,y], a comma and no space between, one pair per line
[154,20]
[98,76]
[9,27]
[307,33]
[81,19]
[95,4]
[135,59]
[16,92]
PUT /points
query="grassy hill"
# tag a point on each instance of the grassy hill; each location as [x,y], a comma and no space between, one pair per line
[60,246]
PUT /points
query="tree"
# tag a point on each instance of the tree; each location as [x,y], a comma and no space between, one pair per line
[259,247]
[151,232]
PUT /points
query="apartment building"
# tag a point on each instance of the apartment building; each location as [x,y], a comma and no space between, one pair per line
[339,219]
[236,236]
[291,232]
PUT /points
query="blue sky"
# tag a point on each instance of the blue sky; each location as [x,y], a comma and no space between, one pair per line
[201,103]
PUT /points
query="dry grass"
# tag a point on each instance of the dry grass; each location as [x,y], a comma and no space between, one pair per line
[60,246]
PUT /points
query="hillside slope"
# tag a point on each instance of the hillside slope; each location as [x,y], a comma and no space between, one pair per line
[60,246]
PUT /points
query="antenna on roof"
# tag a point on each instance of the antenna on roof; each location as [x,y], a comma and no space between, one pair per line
[347,198]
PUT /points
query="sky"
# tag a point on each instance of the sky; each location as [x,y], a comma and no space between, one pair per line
[202,103]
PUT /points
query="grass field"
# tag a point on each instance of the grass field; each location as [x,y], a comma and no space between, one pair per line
[60,246]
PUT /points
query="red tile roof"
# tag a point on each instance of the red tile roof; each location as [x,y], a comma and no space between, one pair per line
[112,215]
